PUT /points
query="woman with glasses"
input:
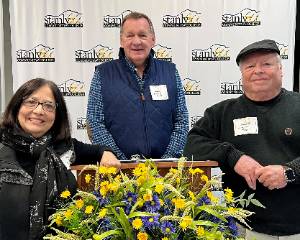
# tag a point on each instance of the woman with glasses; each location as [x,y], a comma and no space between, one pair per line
[36,150]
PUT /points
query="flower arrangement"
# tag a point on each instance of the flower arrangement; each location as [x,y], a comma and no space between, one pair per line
[146,205]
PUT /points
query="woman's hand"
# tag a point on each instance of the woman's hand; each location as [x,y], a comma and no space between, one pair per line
[108,159]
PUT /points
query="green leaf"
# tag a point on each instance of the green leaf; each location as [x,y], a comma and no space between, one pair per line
[257,203]
[107,234]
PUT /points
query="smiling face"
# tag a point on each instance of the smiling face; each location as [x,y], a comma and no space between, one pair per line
[137,40]
[262,75]
[37,121]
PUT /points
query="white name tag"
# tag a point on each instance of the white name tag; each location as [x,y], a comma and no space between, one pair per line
[244,126]
[159,92]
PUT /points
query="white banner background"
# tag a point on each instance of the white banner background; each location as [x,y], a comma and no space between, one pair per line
[79,25]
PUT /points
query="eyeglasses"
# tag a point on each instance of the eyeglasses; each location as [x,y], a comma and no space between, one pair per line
[33,104]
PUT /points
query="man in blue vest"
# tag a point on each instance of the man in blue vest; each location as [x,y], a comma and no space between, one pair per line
[136,103]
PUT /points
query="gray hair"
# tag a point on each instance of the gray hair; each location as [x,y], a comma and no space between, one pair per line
[137,15]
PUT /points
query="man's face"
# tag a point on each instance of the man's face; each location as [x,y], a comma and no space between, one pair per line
[262,75]
[137,40]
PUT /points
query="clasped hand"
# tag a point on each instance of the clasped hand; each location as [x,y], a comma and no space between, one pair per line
[271,176]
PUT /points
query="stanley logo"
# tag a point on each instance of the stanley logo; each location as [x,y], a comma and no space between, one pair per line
[216,52]
[246,17]
[39,53]
[114,21]
[284,50]
[187,18]
[191,87]
[232,88]
[98,53]
[72,87]
[163,52]
[67,18]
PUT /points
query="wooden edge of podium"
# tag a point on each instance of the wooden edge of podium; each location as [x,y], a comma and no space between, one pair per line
[200,164]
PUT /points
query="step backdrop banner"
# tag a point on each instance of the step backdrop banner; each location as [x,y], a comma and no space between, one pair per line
[63,40]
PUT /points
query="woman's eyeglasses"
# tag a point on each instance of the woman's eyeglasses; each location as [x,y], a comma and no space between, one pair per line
[33,104]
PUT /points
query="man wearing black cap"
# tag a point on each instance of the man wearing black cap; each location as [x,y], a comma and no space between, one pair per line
[256,140]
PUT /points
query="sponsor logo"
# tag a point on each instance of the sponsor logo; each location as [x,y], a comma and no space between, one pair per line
[246,17]
[187,18]
[216,52]
[193,120]
[232,87]
[72,88]
[81,123]
[67,18]
[163,52]
[39,53]
[191,87]
[114,21]
[98,53]
[284,50]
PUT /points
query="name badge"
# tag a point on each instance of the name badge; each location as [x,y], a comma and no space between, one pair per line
[159,92]
[244,126]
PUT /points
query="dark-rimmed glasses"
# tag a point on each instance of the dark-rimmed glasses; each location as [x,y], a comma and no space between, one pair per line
[34,103]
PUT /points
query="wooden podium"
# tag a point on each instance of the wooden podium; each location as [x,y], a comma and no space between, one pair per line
[162,167]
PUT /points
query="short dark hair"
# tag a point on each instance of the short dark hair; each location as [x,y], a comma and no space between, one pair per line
[137,15]
[61,126]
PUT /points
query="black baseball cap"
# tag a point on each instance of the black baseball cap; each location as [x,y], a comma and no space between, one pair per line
[263,45]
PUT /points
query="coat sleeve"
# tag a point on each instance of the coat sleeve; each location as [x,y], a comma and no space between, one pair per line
[204,141]
[86,153]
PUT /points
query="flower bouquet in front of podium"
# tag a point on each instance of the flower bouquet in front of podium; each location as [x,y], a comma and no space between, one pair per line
[146,205]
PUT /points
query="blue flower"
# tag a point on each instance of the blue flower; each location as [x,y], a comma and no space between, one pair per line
[154,205]
[204,201]
[232,226]
[151,222]
[167,227]
[130,200]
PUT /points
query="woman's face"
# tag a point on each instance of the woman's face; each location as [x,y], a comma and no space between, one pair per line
[37,112]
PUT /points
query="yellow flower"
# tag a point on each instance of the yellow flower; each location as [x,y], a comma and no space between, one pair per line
[179,203]
[65,194]
[231,210]
[68,213]
[58,220]
[165,238]
[193,171]
[142,236]
[204,178]
[186,221]
[148,196]
[79,203]
[192,195]
[173,170]
[228,195]
[112,170]
[137,223]
[161,202]
[212,197]
[178,180]
[200,231]
[89,209]
[159,188]
[88,178]
[104,188]
[102,213]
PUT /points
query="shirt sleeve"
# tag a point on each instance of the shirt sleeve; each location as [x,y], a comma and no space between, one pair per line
[179,134]
[95,117]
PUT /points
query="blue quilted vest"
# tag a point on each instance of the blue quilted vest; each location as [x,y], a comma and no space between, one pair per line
[139,125]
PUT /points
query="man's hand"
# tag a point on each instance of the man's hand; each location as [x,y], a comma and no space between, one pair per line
[271,176]
[246,167]
[110,160]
